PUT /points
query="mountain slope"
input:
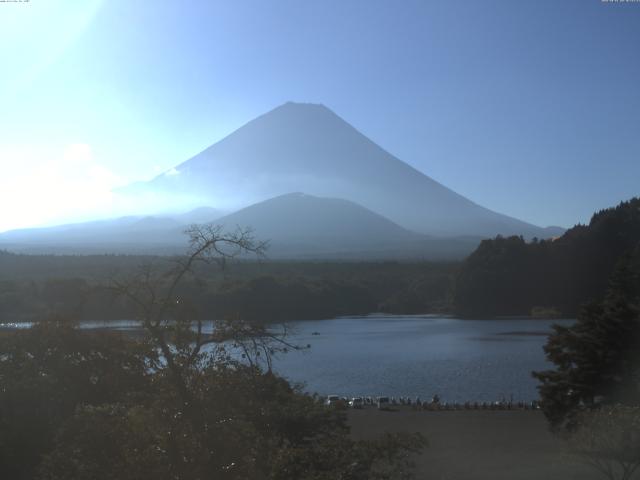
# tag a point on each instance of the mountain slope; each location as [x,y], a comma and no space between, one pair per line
[307,147]
[297,216]
[299,225]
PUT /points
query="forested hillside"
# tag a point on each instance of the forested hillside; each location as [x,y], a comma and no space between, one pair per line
[256,291]
[509,276]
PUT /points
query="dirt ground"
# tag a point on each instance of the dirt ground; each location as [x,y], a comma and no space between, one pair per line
[473,445]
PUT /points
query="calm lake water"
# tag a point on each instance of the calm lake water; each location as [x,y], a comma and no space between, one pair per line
[475,360]
[394,355]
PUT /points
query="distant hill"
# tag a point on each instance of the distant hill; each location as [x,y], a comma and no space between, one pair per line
[508,276]
[297,226]
[308,148]
[131,234]
[300,225]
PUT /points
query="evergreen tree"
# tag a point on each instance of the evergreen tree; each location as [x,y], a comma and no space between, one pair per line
[597,359]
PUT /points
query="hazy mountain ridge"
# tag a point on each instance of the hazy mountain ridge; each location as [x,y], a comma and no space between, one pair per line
[130,234]
[296,225]
[301,225]
[308,148]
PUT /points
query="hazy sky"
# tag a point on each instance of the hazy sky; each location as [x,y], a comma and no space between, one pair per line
[531,108]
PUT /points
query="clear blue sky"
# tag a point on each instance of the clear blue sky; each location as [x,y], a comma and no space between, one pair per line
[531,108]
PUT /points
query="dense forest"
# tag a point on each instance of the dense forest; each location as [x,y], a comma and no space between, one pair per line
[509,276]
[277,290]
[503,277]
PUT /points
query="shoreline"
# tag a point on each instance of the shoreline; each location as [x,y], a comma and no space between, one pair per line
[14,324]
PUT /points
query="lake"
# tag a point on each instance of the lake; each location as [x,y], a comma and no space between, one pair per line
[474,360]
[397,355]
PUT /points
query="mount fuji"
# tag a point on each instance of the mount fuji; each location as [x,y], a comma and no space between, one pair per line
[300,147]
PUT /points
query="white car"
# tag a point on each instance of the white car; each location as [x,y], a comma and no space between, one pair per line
[332,400]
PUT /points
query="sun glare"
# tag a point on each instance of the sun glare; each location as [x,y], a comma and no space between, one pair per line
[45,186]
[44,30]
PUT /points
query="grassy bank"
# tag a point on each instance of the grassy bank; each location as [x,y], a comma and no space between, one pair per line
[477,445]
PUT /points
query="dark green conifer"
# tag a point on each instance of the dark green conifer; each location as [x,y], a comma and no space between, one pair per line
[597,360]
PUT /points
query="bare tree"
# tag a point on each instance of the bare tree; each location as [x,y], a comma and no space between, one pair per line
[175,328]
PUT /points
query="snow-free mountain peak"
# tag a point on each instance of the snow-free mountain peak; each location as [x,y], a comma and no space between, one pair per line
[307,147]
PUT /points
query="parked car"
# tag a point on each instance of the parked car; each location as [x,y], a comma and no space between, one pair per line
[356,402]
[332,400]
